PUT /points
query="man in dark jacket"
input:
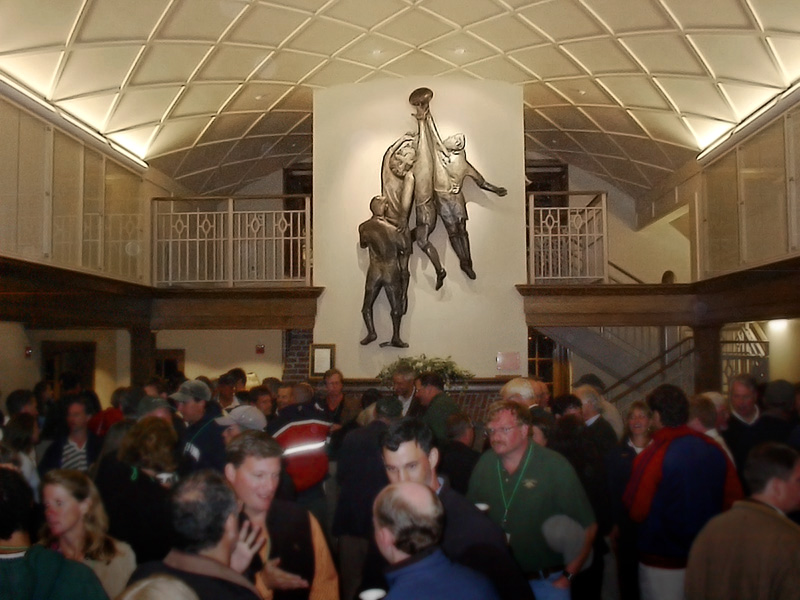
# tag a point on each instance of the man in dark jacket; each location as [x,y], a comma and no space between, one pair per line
[80,447]
[203,444]
[361,476]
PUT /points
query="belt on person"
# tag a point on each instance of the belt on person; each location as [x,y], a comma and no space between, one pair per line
[543,573]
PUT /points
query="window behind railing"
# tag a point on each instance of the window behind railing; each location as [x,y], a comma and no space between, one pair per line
[231,242]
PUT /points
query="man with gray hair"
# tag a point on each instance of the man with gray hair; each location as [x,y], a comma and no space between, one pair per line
[608,411]
[408,522]
[205,522]
[752,550]
[597,429]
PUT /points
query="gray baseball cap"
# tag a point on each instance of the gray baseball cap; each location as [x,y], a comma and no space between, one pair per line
[245,416]
[191,390]
[150,403]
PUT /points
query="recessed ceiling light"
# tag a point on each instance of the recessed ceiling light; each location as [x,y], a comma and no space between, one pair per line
[460,51]
[377,52]
[259,97]
[581,92]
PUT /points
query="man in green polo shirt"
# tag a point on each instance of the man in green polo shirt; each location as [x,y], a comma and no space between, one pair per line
[524,485]
[437,405]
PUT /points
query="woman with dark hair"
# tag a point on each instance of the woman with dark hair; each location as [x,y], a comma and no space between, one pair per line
[135,488]
[619,461]
[76,526]
[22,435]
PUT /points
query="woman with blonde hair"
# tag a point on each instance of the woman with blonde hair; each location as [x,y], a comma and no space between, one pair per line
[157,587]
[76,525]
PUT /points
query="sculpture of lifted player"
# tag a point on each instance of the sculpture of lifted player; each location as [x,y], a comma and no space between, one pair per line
[449,168]
[388,251]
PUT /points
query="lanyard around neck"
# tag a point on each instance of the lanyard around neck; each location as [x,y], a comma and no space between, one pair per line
[507,503]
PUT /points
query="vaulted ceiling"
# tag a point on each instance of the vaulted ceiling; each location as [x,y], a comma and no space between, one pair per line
[218,93]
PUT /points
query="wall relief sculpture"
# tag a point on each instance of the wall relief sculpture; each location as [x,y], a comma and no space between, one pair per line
[423,172]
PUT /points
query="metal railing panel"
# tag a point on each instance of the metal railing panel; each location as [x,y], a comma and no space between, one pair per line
[568,244]
[224,243]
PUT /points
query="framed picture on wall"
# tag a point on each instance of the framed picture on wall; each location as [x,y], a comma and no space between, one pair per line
[322,357]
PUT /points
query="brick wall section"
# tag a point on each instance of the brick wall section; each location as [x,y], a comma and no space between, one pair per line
[296,344]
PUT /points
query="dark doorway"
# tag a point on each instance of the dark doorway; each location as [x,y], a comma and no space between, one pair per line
[547,176]
[169,362]
[63,357]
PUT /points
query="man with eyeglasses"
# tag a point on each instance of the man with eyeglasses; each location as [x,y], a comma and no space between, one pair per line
[524,485]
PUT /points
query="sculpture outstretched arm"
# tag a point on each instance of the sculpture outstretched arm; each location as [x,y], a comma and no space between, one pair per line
[482,183]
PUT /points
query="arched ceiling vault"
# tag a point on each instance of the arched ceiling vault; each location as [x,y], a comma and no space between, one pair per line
[218,93]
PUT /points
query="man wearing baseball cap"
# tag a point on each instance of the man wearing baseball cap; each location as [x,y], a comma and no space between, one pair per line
[239,419]
[203,444]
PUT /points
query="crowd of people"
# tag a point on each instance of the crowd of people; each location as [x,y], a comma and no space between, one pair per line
[206,489]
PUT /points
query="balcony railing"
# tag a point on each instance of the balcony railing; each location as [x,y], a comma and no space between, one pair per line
[232,242]
[567,240]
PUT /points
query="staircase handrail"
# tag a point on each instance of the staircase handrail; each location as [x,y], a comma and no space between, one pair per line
[660,358]
[624,272]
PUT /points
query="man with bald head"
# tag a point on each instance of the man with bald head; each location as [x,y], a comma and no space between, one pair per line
[408,519]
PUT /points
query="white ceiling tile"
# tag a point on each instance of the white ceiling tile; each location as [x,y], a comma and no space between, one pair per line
[306,5]
[92,110]
[666,126]
[707,130]
[228,127]
[778,15]
[291,144]
[168,163]
[136,140]
[738,57]
[615,120]
[205,156]
[264,167]
[464,13]
[177,133]
[642,149]
[36,23]
[186,22]
[664,53]
[602,56]
[562,20]
[499,68]
[94,69]
[747,98]
[374,50]
[257,97]
[103,23]
[36,71]
[415,27]
[141,106]
[163,63]
[506,32]
[567,118]
[635,91]
[252,147]
[417,63]
[622,169]
[597,143]
[300,98]
[540,94]
[365,13]
[534,121]
[678,155]
[698,15]
[195,181]
[203,98]
[231,63]
[622,16]
[698,96]
[788,51]
[378,75]
[547,62]
[459,48]
[288,66]
[557,140]
[267,25]
[338,71]
[324,36]
[654,174]
[582,91]
[277,123]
